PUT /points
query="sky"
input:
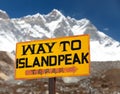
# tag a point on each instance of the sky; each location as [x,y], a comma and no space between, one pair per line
[104,14]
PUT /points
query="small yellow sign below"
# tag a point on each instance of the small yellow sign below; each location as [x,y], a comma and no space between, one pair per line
[57,57]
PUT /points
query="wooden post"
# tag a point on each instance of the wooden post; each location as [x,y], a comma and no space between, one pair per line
[52,82]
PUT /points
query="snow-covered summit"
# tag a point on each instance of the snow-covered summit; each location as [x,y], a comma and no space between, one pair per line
[55,13]
[2,11]
[55,24]
[3,15]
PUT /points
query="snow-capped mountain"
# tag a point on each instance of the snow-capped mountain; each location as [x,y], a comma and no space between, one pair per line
[55,24]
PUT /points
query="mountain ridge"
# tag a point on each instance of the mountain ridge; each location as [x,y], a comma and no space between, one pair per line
[55,24]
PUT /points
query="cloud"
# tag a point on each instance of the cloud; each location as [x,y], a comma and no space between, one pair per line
[106,29]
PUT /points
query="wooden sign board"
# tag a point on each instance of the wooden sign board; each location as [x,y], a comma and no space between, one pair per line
[56,57]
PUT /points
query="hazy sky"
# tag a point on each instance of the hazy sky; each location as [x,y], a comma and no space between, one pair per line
[104,14]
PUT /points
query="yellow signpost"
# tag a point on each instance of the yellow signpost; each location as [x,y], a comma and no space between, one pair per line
[57,57]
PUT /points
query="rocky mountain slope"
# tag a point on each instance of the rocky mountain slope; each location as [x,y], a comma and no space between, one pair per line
[100,80]
[6,66]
